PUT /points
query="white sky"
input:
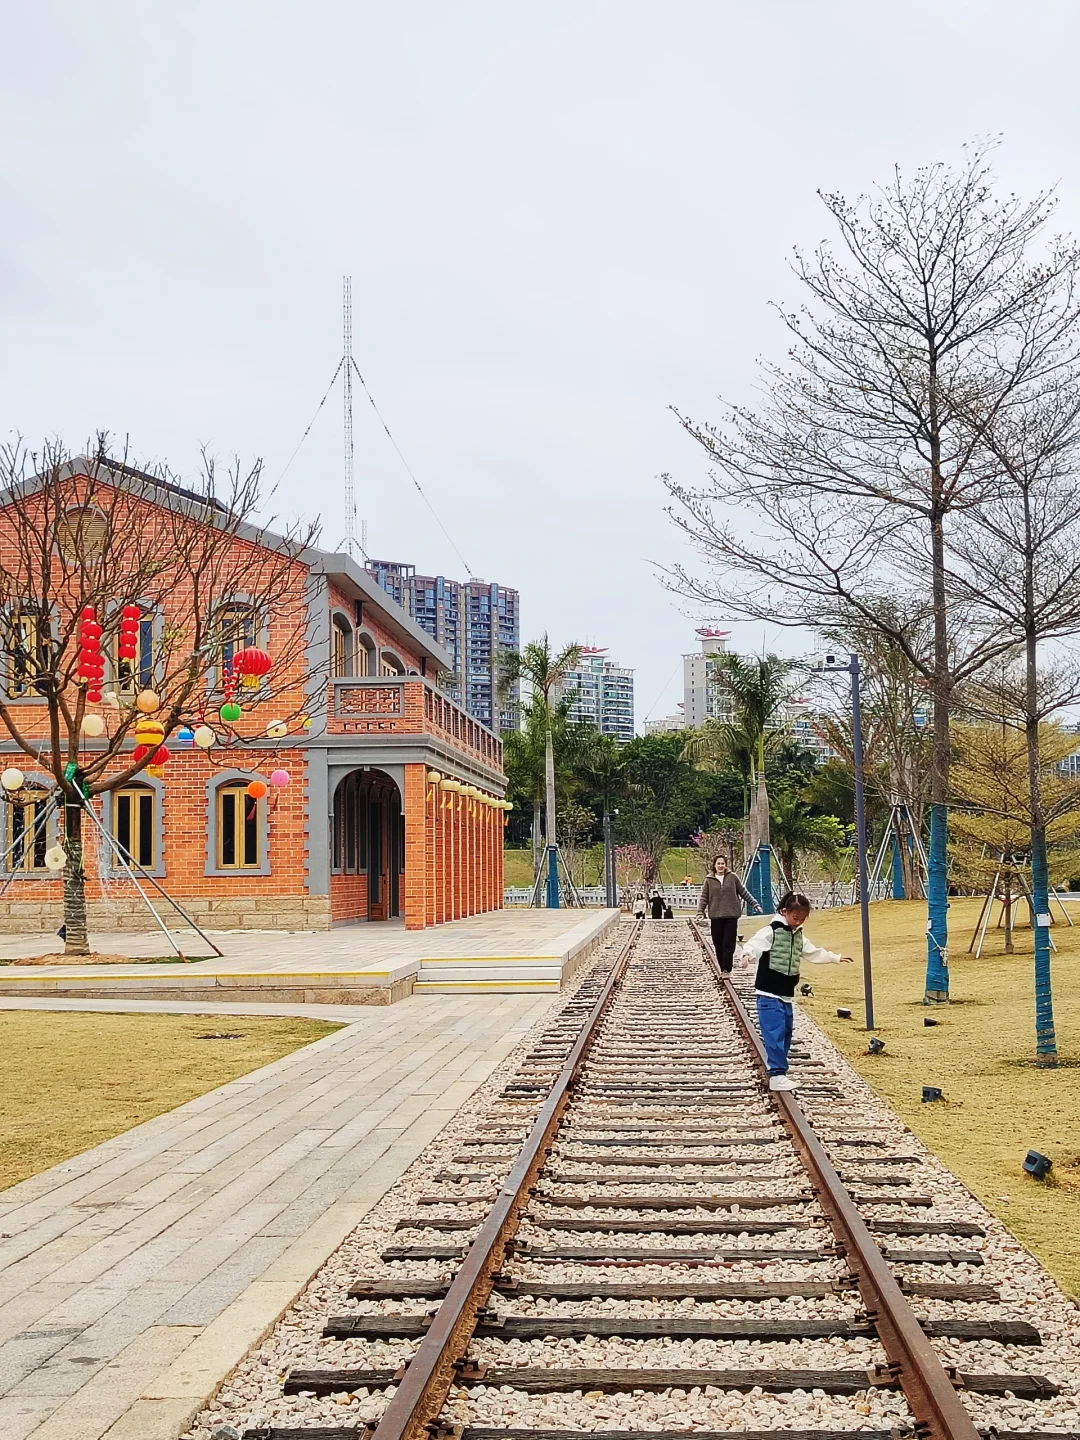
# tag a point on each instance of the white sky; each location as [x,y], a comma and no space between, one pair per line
[560,218]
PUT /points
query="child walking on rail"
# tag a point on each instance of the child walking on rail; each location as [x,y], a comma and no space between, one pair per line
[779,949]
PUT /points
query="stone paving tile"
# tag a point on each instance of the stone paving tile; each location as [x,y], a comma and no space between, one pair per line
[133,1277]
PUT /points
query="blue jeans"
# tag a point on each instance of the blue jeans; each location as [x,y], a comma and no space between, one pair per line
[776,1019]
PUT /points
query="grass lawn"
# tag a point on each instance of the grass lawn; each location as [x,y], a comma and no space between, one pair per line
[70,1080]
[998,1105]
[680,860]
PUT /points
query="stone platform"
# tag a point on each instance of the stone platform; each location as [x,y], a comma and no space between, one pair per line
[505,952]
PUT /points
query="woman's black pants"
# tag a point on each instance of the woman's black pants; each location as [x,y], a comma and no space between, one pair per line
[725,931]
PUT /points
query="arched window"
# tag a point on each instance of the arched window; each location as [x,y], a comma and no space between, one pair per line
[341,647]
[29,837]
[28,641]
[390,664]
[138,674]
[236,627]
[365,654]
[238,827]
[135,824]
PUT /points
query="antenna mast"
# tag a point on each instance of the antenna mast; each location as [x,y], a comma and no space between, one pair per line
[351,543]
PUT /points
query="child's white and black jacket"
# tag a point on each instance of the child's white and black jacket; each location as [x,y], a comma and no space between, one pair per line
[779,951]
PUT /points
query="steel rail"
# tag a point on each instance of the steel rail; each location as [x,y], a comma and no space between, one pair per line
[929,1390]
[426,1382]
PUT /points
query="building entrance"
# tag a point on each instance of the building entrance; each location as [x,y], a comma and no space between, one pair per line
[368,843]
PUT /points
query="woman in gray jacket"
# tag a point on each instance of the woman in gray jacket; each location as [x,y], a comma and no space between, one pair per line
[722,898]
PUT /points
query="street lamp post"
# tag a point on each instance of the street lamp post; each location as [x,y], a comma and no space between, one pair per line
[852,667]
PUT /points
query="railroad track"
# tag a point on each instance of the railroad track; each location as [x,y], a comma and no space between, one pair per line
[638,1231]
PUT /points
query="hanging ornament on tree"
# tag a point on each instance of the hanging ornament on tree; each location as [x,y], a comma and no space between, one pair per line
[251,665]
[185,736]
[257,789]
[204,737]
[93,725]
[55,857]
[279,779]
[12,779]
[158,761]
[149,732]
[127,645]
[230,712]
[90,663]
[278,730]
[147,701]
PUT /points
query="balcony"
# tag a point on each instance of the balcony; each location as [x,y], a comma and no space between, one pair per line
[407,705]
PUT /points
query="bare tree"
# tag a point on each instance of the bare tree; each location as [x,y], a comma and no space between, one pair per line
[862,457]
[1016,563]
[89,536]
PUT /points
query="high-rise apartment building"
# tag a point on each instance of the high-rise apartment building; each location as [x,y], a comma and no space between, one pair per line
[705,695]
[475,621]
[605,694]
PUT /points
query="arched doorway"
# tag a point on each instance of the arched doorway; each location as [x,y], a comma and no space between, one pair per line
[368,847]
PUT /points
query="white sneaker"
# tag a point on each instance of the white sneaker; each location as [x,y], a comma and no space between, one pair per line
[782,1082]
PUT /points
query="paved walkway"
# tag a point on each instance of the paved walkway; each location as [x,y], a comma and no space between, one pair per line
[134,1277]
[347,948]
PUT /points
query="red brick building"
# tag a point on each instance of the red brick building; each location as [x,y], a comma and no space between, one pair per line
[392,810]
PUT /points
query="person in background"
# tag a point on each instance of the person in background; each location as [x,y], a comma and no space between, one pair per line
[667,912]
[779,949]
[656,905]
[721,900]
[639,908]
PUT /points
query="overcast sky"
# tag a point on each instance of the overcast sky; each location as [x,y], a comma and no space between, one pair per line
[560,218]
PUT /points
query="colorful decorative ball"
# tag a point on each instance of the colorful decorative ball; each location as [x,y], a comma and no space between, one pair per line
[279,778]
[149,732]
[185,736]
[147,701]
[141,752]
[93,725]
[158,761]
[204,737]
[12,779]
[257,789]
[278,730]
[230,712]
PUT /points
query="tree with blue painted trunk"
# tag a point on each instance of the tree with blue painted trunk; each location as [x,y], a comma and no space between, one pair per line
[853,477]
[1026,534]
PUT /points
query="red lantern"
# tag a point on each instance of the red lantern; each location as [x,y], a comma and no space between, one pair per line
[86,613]
[93,697]
[140,752]
[90,630]
[250,664]
[130,612]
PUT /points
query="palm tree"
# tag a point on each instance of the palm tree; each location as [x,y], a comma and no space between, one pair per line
[795,831]
[601,769]
[543,671]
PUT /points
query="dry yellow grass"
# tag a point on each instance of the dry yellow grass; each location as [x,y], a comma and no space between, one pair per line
[68,1081]
[981,1053]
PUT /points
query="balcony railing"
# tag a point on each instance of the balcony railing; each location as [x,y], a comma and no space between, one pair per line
[392,704]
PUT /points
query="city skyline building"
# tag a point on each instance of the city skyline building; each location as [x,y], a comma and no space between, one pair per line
[705,696]
[605,694]
[477,622]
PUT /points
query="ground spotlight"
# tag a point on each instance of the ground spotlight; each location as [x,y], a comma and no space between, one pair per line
[843,1014]
[928,1021]
[805,989]
[876,1046]
[1036,1165]
[931,1092]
